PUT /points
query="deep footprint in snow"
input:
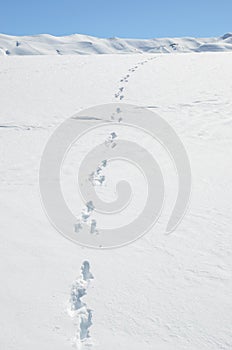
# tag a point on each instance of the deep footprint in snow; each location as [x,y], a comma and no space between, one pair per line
[111,140]
[93,227]
[116,115]
[120,90]
[78,310]
[84,219]
[97,177]
[125,79]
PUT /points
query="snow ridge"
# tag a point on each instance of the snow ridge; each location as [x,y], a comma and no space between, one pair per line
[77,44]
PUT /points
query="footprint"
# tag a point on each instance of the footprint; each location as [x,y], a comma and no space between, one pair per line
[93,228]
[78,309]
[84,217]
[111,140]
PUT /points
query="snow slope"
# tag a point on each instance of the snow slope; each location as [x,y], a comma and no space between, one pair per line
[77,44]
[162,292]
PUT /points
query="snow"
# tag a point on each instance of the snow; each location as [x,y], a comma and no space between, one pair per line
[77,44]
[163,291]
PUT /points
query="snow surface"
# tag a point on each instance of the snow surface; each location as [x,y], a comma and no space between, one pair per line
[162,292]
[77,44]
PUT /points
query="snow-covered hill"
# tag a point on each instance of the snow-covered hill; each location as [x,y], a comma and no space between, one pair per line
[162,292]
[83,44]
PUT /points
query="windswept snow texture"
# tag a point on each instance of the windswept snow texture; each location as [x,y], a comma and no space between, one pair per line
[162,292]
[77,44]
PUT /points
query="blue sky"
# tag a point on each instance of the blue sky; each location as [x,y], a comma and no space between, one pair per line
[108,18]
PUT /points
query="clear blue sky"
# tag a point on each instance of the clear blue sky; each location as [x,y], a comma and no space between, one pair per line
[108,18]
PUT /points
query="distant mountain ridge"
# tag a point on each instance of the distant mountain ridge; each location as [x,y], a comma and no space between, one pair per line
[78,44]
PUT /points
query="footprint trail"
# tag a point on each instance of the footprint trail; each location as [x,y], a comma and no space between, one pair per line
[120,93]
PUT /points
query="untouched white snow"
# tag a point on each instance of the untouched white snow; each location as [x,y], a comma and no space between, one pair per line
[162,292]
[78,44]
